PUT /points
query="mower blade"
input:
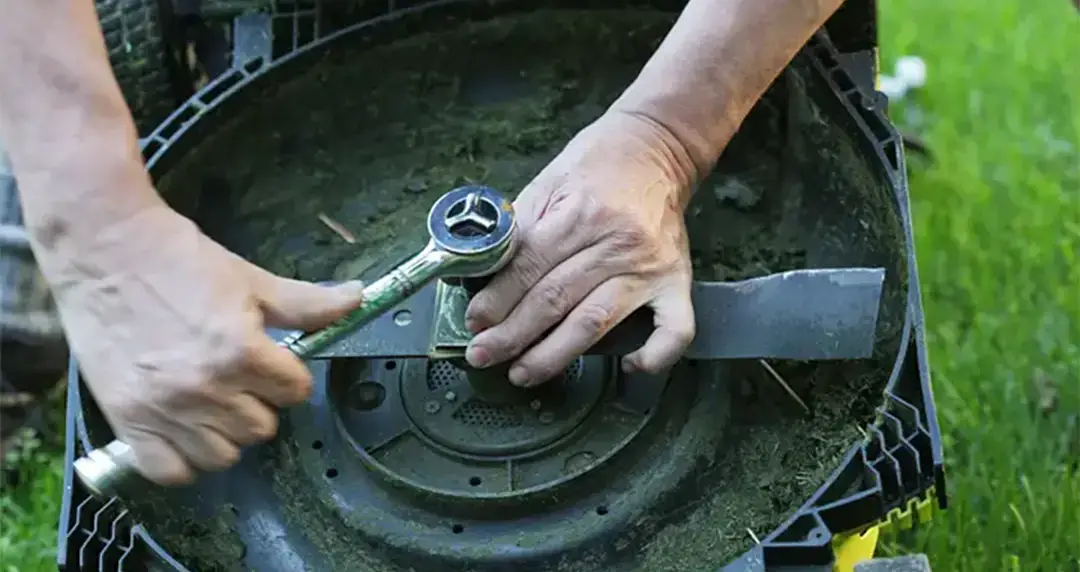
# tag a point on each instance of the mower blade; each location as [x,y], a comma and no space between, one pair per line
[820,314]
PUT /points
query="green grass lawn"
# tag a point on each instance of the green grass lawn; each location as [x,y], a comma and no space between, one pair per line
[997,219]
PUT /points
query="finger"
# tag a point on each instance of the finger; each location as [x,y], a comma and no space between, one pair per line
[549,241]
[247,420]
[544,306]
[673,317]
[606,306]
[275,375]
[157,459]
[206,448]
[296,304]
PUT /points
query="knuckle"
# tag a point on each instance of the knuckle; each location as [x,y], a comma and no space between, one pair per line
[554,298]
[631,237]
[529,264]
[155,459]
[264,426]
[230,348]
[222,459]
[598,214]
[248,351]
[502,345]
[186,393]
[594,319]
[298,390]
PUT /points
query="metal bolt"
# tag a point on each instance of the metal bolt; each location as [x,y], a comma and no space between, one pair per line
[546,417]
[535,405]
[432,407]
[451,396]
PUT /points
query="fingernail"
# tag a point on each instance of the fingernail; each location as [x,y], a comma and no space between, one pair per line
[474,319]
[473,325]
[628,366]
[477,356]
[518,375]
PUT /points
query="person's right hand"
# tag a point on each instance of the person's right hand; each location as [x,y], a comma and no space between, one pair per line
[167,326]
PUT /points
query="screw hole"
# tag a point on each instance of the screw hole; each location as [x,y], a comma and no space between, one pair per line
[457,529]
[316,445]
[391,365]
[601,510]
[331,473]
[475,481]
[366,396]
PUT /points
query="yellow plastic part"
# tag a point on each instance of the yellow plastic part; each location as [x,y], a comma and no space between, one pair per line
[850,549]
[854,547]
[919,509]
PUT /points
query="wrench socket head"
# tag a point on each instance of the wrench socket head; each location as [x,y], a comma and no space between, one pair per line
[477,224]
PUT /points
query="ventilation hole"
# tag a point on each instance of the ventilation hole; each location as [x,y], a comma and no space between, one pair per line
[482,414]
[316,445]
[457,529]
[441,374]
[331,473]
[475,481]
[572,372]
[601,510]
[391,364]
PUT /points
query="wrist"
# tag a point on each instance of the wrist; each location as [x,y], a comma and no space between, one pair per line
[670,150]
[71,203]
[677,117]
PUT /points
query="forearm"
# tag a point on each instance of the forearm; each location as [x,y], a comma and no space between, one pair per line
[715,63]
[70,137]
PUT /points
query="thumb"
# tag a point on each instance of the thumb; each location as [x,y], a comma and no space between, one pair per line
[673,317]
[300,305]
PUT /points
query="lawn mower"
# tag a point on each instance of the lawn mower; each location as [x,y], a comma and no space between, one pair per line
[317,148]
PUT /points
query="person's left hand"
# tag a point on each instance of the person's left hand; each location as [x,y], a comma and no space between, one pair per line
[602,235]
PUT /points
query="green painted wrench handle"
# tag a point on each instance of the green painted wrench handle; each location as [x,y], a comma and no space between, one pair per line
[473,233]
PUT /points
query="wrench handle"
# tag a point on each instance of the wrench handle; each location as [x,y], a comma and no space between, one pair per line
[379,297]
[104,471]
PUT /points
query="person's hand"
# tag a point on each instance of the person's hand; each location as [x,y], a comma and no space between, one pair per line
[167,326]
[603,234]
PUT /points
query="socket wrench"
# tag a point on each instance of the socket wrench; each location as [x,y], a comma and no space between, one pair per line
[473,233]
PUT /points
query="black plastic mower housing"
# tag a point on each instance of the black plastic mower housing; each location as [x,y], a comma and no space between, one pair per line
[891,477]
